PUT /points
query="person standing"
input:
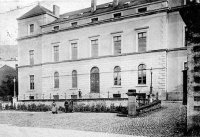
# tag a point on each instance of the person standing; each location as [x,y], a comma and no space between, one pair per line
[54,108]
[66,104]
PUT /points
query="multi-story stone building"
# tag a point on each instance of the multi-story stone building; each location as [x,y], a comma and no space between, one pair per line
[102,50]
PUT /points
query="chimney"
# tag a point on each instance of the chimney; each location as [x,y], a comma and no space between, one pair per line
[56,10]
[115,3]
[93,5]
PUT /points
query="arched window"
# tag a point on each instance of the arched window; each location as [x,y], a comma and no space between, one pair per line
[142,74]
[56,80]
[74,79]
[94,80]
[117,76]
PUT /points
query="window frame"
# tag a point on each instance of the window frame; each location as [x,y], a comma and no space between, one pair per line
[117,16]
[113,43]
[56,80]
[74,79]
[142,30]
[93,20]
[56,53]
[32,82]
[29,28]
[31,57]
[70,48]
[143,73]
[119,77]
[74,24]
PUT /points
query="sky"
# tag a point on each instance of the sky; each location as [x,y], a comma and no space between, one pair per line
[12,9]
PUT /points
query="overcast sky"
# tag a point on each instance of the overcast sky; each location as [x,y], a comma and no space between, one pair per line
[65,5]
[12,9]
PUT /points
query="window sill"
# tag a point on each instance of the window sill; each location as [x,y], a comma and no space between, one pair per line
[117,87]
[141,86]
[73,89]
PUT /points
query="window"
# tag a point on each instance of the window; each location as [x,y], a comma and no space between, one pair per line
[56,28]
[94,48]
[74,48]
[94,20]
[117,76]
[116,95]
[74,24]
[117,15]
[31,55]
[32,82]
[142,74]
[31,28]
[74,79]
[56,53]
[117,45]
[140,10]
[31,97]
[186,36]
[94,80]
[56,80]
[142,41]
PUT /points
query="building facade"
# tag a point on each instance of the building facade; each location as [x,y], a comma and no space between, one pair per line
[102,51]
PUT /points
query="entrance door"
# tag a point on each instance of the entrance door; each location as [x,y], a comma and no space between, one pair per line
[94,80]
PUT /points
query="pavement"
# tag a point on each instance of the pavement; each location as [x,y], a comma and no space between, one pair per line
[165,122]
[13,131]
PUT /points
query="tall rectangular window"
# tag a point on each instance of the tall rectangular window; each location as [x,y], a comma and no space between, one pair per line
[142,41]
[56,53]
[94,48]
[32,82]
[31,28]
[31,56]
[117,45]
[74,48]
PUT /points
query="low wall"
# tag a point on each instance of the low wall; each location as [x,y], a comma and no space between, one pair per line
[105,101]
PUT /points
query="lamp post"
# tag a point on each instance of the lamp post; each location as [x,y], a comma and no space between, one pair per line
[151,88]
[14,80]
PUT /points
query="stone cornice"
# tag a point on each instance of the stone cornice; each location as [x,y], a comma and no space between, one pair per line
[108,56]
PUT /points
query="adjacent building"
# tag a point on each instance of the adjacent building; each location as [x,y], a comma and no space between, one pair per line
[102,51]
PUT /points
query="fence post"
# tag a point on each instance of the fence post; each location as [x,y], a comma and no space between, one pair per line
[43,96]
[65,95]
[108,94]
[50,95]
[24,96]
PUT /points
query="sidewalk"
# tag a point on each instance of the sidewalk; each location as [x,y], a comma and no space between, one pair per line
[13,131]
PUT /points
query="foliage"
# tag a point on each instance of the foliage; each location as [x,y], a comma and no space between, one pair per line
[7,87]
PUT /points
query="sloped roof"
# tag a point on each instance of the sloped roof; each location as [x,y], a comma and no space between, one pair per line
[101,9]
[36,11]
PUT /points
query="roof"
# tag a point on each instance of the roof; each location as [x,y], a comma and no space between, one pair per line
[36,11]
[101,9]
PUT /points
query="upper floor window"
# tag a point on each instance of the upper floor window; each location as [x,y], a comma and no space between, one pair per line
[117,15]
[117,76]
[142,41]
[74,50]
[56,53]
[74,79]
[94,48]
[31,28]
[142,74]
[32,82]
[117,45]
[94,20]
[74,24]
[56,80]
[144,9]
[31,56]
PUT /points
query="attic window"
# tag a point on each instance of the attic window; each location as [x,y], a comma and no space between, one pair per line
[31,28]
[56,28]
[94,20]
[117,15]
[140,10]
[74,24]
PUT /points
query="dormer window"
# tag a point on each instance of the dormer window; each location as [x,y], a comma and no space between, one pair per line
[31,28]
[117,15]
[74,24]
[56,28]
[141,10]
[94,20]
